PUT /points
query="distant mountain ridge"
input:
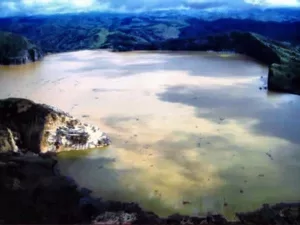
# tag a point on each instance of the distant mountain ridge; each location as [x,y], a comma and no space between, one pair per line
[70,32]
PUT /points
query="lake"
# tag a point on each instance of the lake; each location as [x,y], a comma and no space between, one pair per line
[191,132]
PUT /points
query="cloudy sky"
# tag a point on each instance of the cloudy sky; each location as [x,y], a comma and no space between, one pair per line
[13,7]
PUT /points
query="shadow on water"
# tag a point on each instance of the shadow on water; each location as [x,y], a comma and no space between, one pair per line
[279,120]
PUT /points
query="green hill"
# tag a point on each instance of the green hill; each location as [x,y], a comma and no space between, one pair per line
[15,49]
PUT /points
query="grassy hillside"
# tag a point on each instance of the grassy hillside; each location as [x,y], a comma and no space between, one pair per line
[93,30]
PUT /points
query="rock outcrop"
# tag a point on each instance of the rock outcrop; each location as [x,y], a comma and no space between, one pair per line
[28,126]
[16,49]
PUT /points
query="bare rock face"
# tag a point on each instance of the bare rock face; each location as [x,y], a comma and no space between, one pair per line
[41,128]
[121,218]
[7,140]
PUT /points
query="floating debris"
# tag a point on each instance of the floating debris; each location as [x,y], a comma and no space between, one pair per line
[270,156]
[186,203]
[225,203]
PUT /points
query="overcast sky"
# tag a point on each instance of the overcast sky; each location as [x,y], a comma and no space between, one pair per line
[13,7]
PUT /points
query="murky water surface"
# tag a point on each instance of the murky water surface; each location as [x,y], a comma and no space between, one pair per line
[191,132]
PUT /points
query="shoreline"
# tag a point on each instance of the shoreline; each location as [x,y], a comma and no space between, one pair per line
[283,61]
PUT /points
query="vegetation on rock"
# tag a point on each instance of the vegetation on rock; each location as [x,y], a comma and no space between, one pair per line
[70,32]
[15,49]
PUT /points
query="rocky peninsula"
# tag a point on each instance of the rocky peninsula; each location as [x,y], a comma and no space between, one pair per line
[16,49]
[39,128]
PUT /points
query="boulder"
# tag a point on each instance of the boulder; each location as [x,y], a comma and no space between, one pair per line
[41,128]
[16,49]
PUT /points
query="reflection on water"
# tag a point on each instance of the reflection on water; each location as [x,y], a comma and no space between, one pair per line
[190,131]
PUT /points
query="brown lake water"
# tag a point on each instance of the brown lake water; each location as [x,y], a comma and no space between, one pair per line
[191,132]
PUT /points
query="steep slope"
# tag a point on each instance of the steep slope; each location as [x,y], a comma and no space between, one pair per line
[15,49]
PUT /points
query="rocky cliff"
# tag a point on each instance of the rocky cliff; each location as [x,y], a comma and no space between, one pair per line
[15,49]
[28,126]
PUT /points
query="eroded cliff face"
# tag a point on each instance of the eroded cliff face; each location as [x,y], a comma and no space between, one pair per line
[28,126]
[15,49]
